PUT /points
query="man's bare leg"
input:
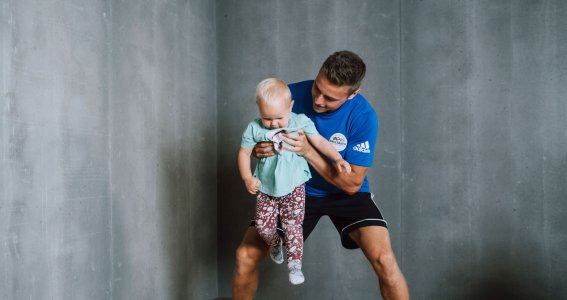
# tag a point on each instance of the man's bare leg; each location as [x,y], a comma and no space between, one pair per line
[375,244]
[249,254]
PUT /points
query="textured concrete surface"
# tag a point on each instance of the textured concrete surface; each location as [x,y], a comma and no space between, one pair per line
[108,154]
[471,165]
[484,149]
[291,42]
[55,238]
[163,149]
[119,118]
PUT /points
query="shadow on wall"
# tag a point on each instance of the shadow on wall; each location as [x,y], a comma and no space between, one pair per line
[505,270]
[499,273]
[174,196]
[236,208]
[516,264]
[498,281]
[513,259]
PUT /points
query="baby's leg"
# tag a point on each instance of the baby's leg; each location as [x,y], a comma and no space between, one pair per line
[266,219]
[292,211]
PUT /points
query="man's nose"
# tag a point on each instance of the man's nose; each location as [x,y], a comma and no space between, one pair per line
[319,100]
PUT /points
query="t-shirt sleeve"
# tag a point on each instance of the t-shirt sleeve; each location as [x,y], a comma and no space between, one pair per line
[362,139]
[248,141]
[307,125]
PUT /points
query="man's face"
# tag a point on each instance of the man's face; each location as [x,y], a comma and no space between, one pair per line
[328,97]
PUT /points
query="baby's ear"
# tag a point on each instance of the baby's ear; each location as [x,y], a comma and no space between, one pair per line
[291,105]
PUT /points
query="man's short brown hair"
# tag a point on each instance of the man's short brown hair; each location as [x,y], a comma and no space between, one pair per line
[344,68]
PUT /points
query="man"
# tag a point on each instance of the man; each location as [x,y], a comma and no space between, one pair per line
[344,117]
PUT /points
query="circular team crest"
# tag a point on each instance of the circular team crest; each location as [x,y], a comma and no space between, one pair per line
[339,141]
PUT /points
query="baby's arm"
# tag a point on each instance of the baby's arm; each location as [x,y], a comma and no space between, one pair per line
[252,183]
[325,147]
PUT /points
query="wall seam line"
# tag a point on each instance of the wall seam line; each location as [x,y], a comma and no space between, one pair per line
[109,125]
[401,130]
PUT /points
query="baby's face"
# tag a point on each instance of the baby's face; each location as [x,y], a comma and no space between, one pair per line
[275,115]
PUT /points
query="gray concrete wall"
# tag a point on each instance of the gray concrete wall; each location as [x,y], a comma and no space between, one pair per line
[111,150]
[163,149]
[291,42]
[471,164]
[108,154]
[55,197]
[484,149]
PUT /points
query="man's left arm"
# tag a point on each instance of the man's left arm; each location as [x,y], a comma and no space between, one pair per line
[350,183]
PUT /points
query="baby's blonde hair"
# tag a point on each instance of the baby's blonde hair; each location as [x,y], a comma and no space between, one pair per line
[272,90]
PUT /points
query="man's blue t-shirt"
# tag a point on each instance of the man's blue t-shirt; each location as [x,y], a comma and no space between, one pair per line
[352,129]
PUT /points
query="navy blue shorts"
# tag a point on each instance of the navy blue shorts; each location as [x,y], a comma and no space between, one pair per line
[347,212]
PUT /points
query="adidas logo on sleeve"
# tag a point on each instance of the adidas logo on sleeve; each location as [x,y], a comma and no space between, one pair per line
[362,147]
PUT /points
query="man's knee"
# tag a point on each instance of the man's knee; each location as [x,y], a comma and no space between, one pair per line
[385,265]
[243,256]
[247,258]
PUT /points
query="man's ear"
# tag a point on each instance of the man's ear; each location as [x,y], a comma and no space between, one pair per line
[353,94]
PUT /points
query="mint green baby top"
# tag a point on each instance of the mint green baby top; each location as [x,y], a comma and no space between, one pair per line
[280,173]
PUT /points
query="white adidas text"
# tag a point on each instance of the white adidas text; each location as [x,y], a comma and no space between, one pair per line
[362,147]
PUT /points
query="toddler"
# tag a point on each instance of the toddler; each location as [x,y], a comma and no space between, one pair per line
[280,179]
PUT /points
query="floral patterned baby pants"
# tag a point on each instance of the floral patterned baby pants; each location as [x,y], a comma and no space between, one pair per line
[291,209]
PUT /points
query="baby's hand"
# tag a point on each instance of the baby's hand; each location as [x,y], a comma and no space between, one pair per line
[252,185]
[342,166]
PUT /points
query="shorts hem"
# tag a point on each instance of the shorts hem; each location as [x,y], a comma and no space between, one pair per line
[347,242]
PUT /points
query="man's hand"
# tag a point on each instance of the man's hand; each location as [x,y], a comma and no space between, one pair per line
[298,143]
[263,149]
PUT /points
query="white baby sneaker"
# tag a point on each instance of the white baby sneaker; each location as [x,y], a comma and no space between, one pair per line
[295,274]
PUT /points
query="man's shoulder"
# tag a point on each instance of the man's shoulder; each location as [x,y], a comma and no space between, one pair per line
[300,87]
[301,84]
[362,106]
[301,94]
[360,115]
